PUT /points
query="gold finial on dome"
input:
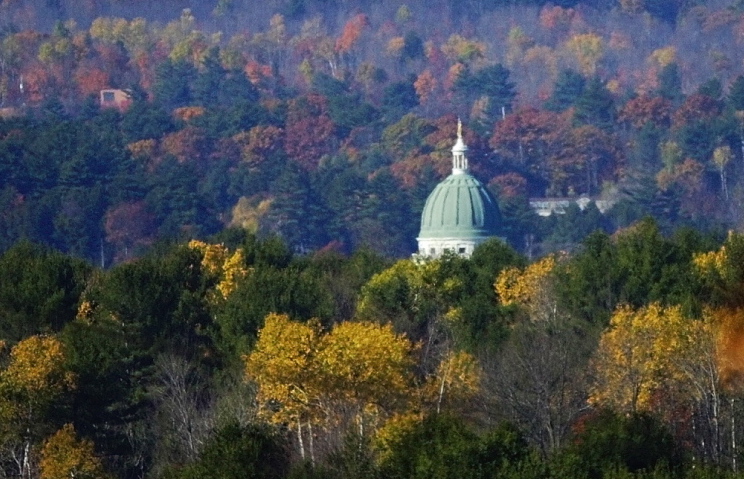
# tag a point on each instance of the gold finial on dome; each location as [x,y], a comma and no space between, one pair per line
[459,128]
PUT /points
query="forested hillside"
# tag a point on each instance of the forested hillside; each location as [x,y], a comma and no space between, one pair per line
[235,358]
[204,279]
[331,122]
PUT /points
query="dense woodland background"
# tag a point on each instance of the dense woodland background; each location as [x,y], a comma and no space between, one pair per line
[206,281]
[331,121]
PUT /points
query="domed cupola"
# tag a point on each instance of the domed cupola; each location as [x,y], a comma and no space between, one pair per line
[460,213]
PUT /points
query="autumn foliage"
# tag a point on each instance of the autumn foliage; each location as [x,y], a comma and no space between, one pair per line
[320,128]
[309,373]
[63,455]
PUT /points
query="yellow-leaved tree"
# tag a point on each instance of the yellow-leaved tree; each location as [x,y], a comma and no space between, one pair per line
[64,456]
[647,352]
[227,267]
[36,376]
[663,56]
[529,288]
[364,366]
[283,366]
[656,360]
[721,157]
[307,378]
[420,300]
[588,50]
[455,382]
[248,212]
[722,273]
[34,380]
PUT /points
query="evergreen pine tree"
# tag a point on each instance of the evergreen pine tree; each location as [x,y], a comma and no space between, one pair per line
[665,10]
[172,85]
[297,214]
[568,88]
[235,88]
[495,84]
[670,83]
[711,88]
[736,93]
[596,106]
[206,86]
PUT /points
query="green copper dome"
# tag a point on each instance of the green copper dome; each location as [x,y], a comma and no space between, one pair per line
[460,207]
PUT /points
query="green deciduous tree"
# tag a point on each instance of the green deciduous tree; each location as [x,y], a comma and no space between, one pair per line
[722,273]
[442,446]
[235,452]
[407,295]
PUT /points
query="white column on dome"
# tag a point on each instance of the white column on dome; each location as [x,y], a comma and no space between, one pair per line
[459,160]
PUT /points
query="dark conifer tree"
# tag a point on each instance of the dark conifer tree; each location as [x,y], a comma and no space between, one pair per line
[297,214]
[205,88]
[496,85]
[596,105]
[665,10]
[390,224]
[711,88]
[235,88]
[413,47]
[39,290]
[670,83]
[736,93]
[172,85]
[145,120]
[398,99]
[568,88]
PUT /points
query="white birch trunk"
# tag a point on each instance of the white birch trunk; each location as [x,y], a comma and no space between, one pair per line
[299,440]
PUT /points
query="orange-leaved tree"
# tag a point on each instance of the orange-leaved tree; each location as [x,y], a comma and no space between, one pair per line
[722,274]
